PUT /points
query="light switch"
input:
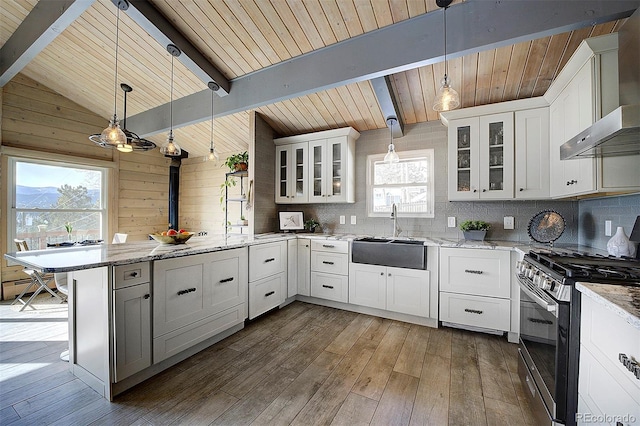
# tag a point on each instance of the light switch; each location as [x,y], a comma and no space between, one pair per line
[342,220]
[353,220]
[451,222]
[607,228]
[509,222]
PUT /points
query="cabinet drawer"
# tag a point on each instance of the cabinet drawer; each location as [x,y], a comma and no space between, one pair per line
[267,259]
[333,263]
[476,311]
[266,294]
[606,335]
[475,271]
[126,275]
[603,393]
[330,245]
[329,286]
[183,338]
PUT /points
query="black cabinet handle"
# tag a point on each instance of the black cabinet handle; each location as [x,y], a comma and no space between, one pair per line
[540,321]
[327,286]
[134,274]
[226,280]
[475,190]
[521,189]
[473,311]
[269,294]
[326,262]
[328,245]
[630,365]
[473,271]
[381,273]
[271,259]
[484,190]
[146,296]
[189,290]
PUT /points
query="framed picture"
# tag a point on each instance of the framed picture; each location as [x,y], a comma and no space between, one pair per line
[291,220]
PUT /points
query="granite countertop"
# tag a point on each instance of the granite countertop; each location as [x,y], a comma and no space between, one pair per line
[624,300]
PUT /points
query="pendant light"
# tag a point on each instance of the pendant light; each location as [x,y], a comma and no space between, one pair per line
[447,98]
[113,136]
[171,148]
[134,142]
[392,156]
[213,155]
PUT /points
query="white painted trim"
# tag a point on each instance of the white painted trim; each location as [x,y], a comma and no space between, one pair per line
[54,157]
[509,106]
[326,134]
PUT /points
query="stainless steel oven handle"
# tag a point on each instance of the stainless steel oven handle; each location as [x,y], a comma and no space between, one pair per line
[551,307]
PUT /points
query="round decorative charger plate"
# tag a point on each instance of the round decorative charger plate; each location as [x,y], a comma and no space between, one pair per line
[546,226]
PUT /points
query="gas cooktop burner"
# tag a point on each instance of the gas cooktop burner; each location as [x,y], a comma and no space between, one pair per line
[577,266]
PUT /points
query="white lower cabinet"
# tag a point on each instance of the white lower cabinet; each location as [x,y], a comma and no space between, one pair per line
[132,331]
[475,288]
[292,268]
[268,285]
[304,267]
[330,270]
[196,297]
[392,289]
[329,286]
[606,387]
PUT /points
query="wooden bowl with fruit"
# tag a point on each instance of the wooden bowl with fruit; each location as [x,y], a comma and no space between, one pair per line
[172,236]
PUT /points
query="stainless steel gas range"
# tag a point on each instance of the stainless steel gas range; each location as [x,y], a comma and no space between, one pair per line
[550,324]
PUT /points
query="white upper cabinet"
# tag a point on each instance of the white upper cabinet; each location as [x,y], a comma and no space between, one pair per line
[499,151]
[316,167]
[585,91]
[292,174]
[481,158]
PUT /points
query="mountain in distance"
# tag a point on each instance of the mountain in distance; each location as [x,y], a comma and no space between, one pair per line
[43,197]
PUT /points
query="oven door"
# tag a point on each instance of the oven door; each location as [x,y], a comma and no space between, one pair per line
[539,331]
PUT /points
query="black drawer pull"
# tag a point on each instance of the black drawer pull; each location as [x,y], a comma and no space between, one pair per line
[189,290]
[473,311]
[327,286]
[630,364]
[269,294]
[134,274]
[271,259]
[328,245]
[540,321]
[473,271]
[226,280]
[146,296]
[326,262]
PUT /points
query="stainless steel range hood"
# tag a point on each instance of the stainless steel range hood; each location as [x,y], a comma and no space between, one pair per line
[617,133]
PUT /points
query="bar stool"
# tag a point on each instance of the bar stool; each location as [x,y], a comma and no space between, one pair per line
[38,282]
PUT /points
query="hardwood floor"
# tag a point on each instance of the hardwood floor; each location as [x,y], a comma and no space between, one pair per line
[301,365]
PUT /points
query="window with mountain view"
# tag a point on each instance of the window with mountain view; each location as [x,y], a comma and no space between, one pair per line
[54,203]
[408,184]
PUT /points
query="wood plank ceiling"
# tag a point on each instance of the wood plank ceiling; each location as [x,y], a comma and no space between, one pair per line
[243,36]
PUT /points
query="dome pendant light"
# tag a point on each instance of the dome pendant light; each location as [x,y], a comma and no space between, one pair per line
[447,98]
[171,148]
[392,156]
[213,155]
[113,135]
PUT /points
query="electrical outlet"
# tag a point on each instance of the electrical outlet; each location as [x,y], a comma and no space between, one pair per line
[607,228]
[342,219]
[509,222]
[451,222]
[353,220]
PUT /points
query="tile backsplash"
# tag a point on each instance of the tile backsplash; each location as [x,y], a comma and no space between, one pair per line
[422,136]
[621,211]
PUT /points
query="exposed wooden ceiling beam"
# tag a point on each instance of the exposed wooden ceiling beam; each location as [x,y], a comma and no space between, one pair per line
[388,104]
[44,23]
[473,26]
[158,27]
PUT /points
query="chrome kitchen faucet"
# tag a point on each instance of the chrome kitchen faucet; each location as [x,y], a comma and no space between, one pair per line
[394,215]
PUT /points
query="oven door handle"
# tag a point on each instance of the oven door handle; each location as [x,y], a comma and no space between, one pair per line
[550,307]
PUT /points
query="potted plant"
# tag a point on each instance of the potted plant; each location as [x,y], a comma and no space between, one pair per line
[474,229]
[237,162]
[69,227]
[311,225]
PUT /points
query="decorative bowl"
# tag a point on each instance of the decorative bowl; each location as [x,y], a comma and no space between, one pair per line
[172,239]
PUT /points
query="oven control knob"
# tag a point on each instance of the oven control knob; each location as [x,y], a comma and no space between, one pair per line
[546,284]
[530,273]
[537,278]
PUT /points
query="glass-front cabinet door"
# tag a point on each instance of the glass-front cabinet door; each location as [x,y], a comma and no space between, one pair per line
[496,156]
[291,173]
[463,159]
[317,159]
[337,148]
[328,162]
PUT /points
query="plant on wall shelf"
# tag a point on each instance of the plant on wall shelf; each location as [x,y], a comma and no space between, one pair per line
[237,162]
